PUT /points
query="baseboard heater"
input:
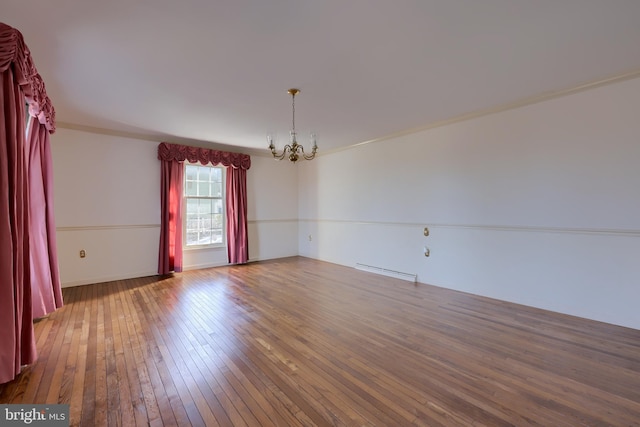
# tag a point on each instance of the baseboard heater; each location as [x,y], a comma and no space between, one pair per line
[386,272]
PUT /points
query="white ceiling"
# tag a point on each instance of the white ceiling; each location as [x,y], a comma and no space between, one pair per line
[218,71]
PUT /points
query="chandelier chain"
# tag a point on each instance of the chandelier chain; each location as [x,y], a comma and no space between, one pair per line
[293,110]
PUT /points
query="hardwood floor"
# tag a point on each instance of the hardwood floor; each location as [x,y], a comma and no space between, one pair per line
[298,342]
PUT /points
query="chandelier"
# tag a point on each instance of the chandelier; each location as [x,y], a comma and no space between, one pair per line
[293,149]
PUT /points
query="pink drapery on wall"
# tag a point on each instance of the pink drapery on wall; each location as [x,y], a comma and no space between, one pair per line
[17,345]
[236,198]
[45,279]
[170,257]
[19,244]
[237,241]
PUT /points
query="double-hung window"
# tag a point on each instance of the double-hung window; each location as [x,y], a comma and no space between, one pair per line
[203,219]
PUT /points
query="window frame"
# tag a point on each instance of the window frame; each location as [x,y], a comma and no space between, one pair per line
[222,198]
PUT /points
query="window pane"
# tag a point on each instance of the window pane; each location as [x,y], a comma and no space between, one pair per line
[190,189]
[192,237]
[216,206]
[203,173]
[203,189]
[191,172]
[217,221]
[205,206]
[216,189]
[216,174]
[205,238]
[192,206]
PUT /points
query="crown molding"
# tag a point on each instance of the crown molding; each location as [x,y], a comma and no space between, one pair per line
[163,138]
[498,109]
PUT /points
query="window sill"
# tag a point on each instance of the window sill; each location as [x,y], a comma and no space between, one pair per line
[204,248]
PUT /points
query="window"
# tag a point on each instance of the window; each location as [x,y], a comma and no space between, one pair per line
[203,205]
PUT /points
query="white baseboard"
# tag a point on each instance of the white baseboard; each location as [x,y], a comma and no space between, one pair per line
[104,279]
[389,273]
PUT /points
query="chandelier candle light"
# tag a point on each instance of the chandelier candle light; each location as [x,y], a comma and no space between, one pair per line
[293,149]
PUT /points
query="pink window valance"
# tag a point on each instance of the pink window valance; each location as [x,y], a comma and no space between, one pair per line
[180,153]
[14,51]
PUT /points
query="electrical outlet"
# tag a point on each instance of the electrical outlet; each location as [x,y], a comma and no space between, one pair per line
[82,253]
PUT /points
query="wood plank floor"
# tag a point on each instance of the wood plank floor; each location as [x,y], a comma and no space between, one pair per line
[298,342]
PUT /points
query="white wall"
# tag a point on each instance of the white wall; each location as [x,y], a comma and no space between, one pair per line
[107,202]
[272,211]
[536,205]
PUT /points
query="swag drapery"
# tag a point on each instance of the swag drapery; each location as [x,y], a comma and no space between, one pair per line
[172,157]
[29,280]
